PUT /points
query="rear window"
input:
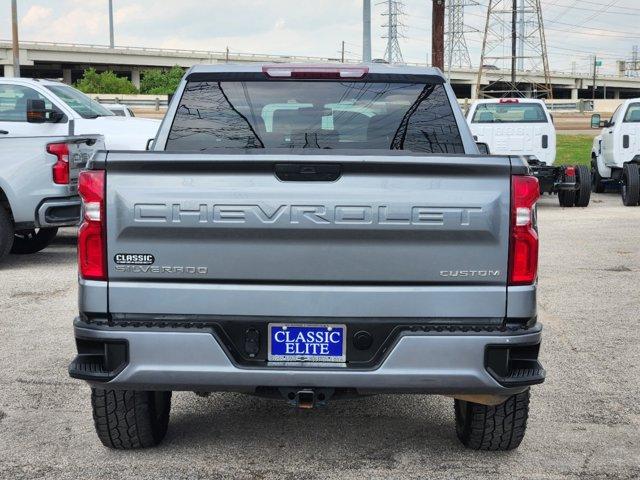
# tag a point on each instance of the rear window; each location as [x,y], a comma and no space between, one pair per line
[256,114]
[633,113]
[509,113]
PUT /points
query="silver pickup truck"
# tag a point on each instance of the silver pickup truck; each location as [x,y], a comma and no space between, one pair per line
[39,187]
[309,233]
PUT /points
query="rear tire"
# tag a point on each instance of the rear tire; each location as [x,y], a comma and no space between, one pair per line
[583,194]
[499,427]
[597,185]
[631,184]
[128,419]
[32,241]
[6,232]
[567,198]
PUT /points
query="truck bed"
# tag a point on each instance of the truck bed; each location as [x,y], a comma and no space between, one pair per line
[398,235]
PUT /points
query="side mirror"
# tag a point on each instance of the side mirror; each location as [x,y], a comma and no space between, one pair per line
[596,120]
[149,144]
[36,111]
[484,148]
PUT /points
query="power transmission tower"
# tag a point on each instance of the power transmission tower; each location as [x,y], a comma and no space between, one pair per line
[632,66]
[508,24]
[394,25]
[456,50]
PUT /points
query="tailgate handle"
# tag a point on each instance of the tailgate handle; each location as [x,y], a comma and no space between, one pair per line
[308,172]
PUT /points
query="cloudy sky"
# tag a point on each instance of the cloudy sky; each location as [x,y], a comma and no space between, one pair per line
[575,28]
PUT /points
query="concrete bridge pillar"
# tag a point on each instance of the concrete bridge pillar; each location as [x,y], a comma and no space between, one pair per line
[8,70]
[474,87]
[574,94]
[616,94]
[66,76]
[135,77]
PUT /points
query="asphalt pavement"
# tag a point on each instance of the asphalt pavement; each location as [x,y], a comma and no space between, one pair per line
[584,420]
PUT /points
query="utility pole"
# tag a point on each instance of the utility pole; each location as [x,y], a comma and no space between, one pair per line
[111,41]
[514,42]
[366,31]
[16,44]
[342,53]
[521,34]
[595,74]
[437,34]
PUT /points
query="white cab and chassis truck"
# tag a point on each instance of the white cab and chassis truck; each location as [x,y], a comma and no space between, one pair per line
[524,126]
[615,155]
[309,233]
[39,108]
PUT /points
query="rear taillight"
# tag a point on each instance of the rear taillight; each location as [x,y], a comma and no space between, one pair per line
[91,235]
[523,255]
[61,167]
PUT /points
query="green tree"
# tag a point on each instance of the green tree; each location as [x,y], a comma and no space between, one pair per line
[161,82]
[105,82]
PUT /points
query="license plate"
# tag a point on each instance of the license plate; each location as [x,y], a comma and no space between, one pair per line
[307,343]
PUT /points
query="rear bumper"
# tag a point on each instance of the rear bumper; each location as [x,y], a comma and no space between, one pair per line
[425,362]
[59,212]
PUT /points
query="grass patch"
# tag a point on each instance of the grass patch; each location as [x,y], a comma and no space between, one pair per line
[573,149]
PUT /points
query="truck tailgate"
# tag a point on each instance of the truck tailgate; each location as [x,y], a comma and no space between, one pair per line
[396,221]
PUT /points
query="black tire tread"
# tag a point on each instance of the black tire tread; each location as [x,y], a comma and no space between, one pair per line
[6,232]
[596,180]
[583,194]
[631,179]
[126,419]
[567,198]
[496,428]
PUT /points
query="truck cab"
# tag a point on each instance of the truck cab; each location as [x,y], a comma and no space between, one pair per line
[514,126]
[38,108]
[615,154]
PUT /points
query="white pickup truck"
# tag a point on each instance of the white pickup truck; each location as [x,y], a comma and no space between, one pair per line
[615,154]
[524,126]
[39,188]
[45,108]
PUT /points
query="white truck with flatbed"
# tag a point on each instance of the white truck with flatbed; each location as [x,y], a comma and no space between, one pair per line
[615,154]
[524,126]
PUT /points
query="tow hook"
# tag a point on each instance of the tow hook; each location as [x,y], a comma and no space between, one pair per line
[307,398]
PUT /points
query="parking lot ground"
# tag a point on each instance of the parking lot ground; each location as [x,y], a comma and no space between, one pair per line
[584,421]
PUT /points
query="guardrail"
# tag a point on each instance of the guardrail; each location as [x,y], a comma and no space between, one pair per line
[155,102]
[580,106]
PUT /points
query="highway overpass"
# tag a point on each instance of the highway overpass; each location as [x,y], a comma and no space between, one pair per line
[68,61]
